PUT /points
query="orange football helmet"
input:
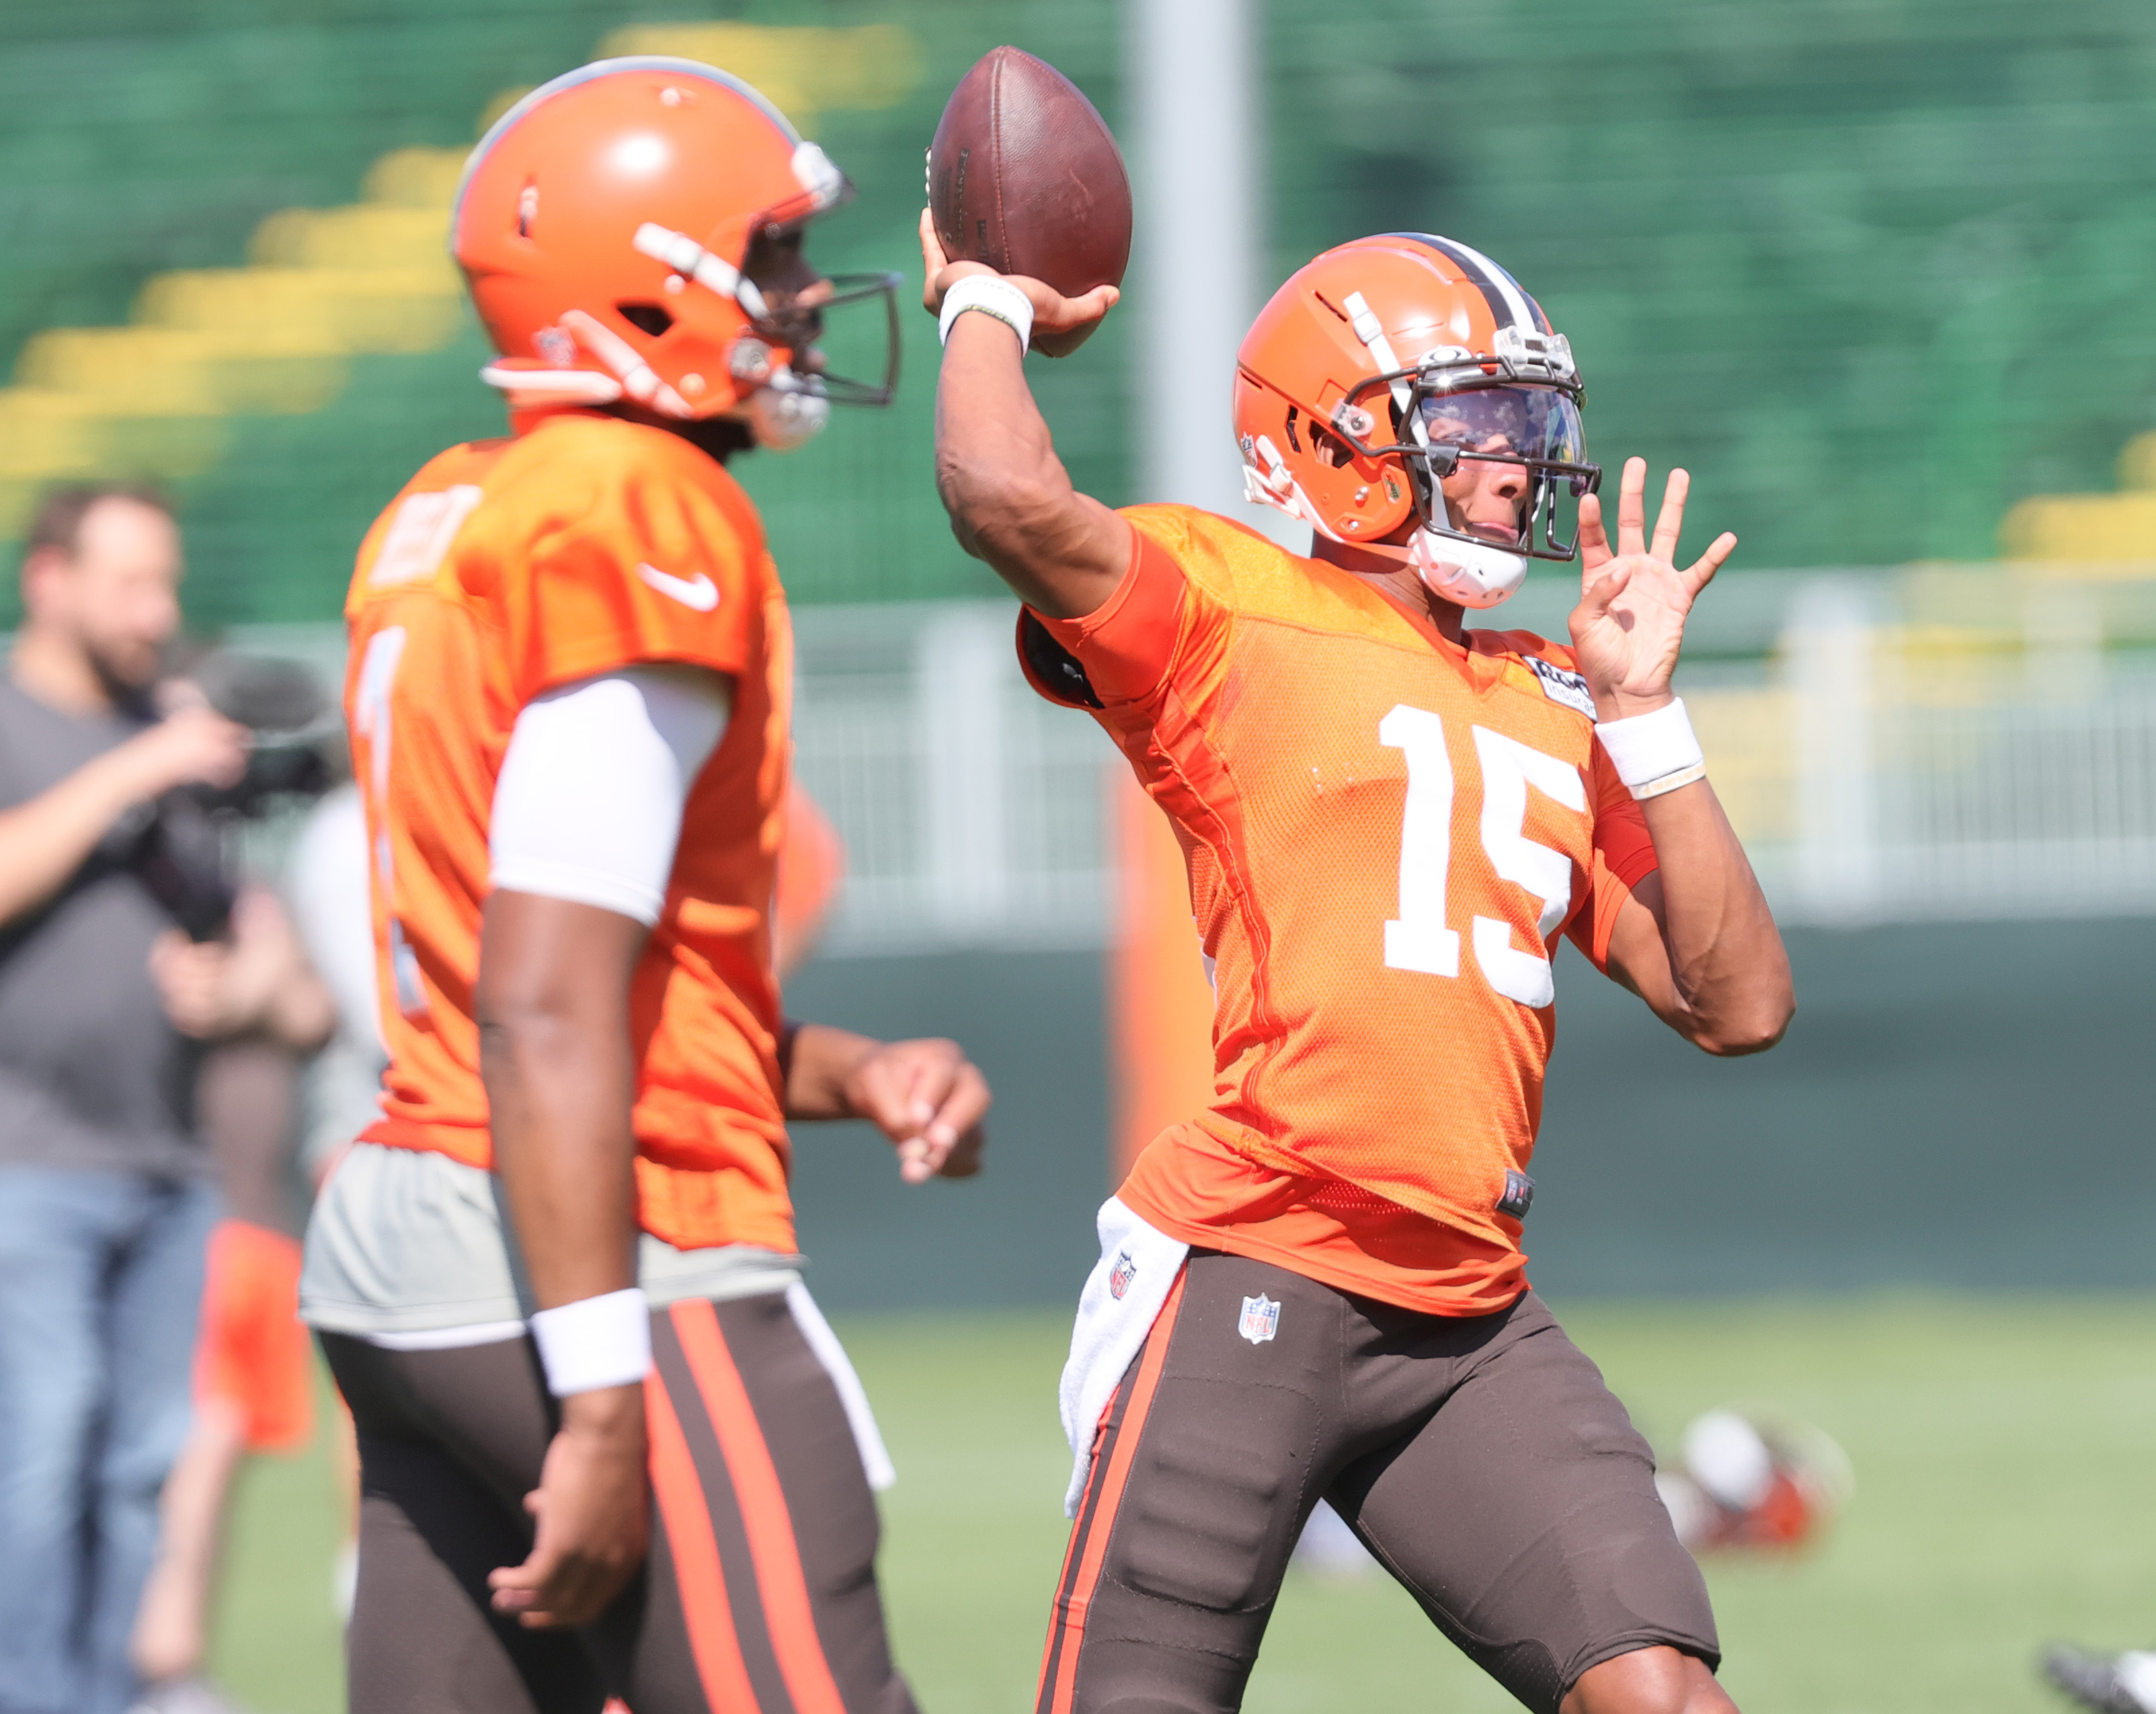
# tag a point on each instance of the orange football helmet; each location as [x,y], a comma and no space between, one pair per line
[1380,365]
[605,225]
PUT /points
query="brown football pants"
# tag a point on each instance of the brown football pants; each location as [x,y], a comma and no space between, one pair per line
[1481,1459]
[759,1595]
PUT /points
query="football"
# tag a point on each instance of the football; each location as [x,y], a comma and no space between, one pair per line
[1024,176]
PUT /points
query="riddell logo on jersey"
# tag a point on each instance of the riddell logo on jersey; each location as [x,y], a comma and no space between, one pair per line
[1560,685]
[698,592]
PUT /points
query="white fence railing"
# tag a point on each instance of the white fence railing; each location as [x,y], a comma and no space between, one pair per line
[1959,776]
[973,812]
[1881,763]
[1880,768]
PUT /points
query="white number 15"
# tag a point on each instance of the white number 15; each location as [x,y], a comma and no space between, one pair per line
[1418,938]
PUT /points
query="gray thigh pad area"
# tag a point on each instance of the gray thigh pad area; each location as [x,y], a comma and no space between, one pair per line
[1217,1494]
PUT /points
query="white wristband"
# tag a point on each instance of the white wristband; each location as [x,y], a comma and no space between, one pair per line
[1669,781]
[594,1343]
[992,294]
[1648,747]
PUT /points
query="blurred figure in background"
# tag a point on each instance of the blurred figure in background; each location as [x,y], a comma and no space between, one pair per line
[2110,1683]
[254,999]
[811,863]
[106,1201]
[1751,1479]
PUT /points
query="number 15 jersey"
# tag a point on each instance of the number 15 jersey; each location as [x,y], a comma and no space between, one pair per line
[1386,834]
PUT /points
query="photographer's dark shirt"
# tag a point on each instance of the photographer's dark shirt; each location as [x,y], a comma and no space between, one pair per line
[91,1073]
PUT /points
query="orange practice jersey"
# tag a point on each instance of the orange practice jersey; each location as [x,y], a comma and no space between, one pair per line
[1386,834]
[506,569]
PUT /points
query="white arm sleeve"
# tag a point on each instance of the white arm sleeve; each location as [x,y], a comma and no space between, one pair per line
[587,807]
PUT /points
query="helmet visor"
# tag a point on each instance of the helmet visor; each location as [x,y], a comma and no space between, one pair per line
[1538,424]
[1535,427]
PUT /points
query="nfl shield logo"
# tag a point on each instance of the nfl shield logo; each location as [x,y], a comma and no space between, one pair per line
[1261,1319]
[1120,1276]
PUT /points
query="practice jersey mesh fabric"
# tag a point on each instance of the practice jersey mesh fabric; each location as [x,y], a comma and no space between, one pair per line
[506,569]
[1386,834]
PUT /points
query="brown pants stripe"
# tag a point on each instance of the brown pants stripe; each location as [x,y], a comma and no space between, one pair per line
[758,1597]
[766,1520]
[1115,1443]
[684,1511]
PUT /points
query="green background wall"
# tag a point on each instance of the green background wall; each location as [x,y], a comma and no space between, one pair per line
[1873,268]
[1956,1106]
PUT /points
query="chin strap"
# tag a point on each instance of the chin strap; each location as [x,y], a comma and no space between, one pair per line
[1474,573]
[784,413]
[640,381]
[632,378]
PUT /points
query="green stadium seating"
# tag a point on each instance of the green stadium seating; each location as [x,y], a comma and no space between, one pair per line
[1875,270]
[138,138]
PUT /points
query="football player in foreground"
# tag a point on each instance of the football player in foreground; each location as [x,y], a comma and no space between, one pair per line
[1315,1288]
[608,1445]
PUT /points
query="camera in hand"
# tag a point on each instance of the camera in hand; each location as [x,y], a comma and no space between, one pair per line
[185,849]
[299,733]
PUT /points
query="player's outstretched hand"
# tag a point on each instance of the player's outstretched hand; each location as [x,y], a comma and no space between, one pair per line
[1059,324]
[593,1512]
[1630,619]
[929,1099]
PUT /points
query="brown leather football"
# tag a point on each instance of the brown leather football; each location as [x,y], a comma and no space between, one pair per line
[1024,177]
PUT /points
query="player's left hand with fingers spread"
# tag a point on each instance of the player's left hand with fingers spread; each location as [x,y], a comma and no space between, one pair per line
[929,1099]
[1630,622]
[593,1512]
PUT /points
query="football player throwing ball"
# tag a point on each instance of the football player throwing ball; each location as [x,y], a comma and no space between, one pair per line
[1315,1289]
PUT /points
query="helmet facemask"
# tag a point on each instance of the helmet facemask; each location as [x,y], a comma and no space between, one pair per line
[785,392]
[779,353]
[1518,406]
[1446,425]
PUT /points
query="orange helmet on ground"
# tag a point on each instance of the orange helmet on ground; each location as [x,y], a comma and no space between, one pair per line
[605,224]
[1380,366]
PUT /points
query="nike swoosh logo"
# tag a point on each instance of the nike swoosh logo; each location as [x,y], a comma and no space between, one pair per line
[698,592]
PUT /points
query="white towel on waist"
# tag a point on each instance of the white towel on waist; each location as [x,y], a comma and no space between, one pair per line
[1117,1309]
[868,1439]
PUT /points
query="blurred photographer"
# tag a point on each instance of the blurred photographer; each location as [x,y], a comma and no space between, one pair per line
[106,1200]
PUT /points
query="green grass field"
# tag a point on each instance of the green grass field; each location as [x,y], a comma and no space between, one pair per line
[2002,1448]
